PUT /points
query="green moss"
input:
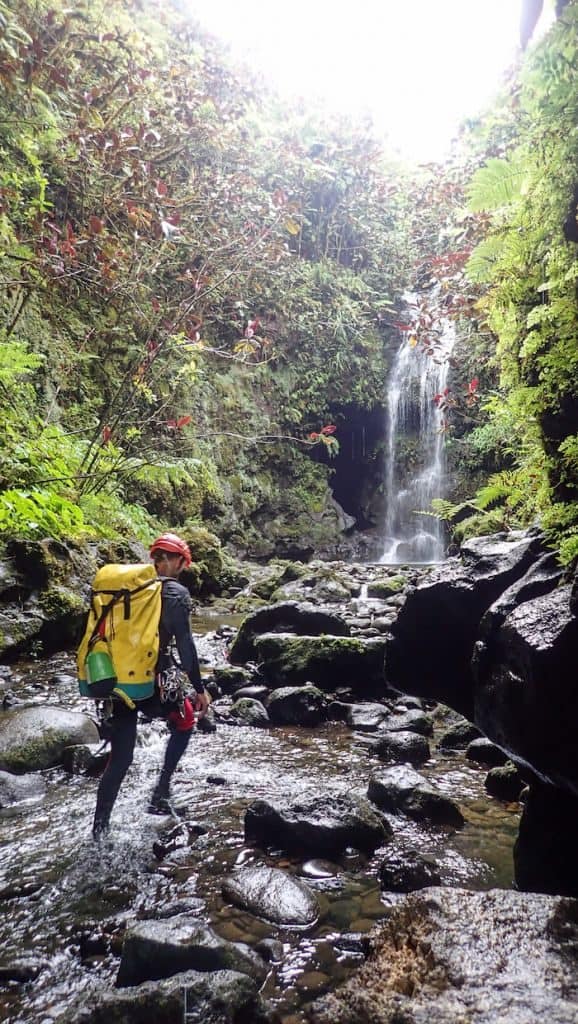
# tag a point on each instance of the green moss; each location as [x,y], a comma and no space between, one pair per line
[386,588]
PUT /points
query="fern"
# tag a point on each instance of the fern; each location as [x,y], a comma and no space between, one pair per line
[495,185]
[480,265]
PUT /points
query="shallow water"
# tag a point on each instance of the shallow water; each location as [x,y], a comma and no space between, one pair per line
[76,897]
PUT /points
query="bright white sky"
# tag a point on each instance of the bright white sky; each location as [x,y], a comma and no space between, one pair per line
[417,66]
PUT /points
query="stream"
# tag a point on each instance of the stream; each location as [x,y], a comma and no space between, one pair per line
[66,901]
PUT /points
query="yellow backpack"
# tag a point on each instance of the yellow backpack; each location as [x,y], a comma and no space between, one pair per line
[120,647]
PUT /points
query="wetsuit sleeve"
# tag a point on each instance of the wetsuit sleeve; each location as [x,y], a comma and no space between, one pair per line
[176,610]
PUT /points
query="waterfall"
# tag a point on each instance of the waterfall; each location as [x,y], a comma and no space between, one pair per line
[415,464]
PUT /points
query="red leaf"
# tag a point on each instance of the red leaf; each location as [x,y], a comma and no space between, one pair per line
[161,188]
[183,421]
[314,436]
[95,225]
[106,434]
[329,429]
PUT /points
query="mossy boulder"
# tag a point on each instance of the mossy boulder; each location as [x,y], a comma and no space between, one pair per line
[303,620]
[203,576]
[32,739]
[326,661]
[382,589]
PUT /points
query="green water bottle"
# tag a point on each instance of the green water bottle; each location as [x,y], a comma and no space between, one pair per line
[100,674]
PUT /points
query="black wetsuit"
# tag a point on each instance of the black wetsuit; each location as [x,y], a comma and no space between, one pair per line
[174,622]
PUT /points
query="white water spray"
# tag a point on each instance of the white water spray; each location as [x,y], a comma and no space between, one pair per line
[413,419]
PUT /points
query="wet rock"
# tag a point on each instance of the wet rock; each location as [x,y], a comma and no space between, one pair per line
[386,587]
[444,612]
[458,736]
[325,661]
[20,970]
[34,738]
[366,717]
[250,712]
[218,997]
[446,955]
[526,693]
[20,789]
[337,711]
[401,747]
[272,894]
[315,869]
[207,723]
[159,949]
[229,678]
[287,616]
[406,871]
[271,950]
[483,751]
[352,942]
[546,850]
[173,909]
[84,759]
[409,702]
[402,789]
[297,705]
[326,825]
[504,782]
[412,720]
[255,692]
[20,890]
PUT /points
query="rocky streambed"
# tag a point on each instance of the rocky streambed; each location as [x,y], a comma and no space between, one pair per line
[337,856]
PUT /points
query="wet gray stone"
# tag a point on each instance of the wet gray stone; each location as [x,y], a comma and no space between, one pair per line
[483,751]
[297,705]
[272,894]
[504,782]
[159,949]
[458,736]
[402,789]
[401,747]
[412,720]
[367,717]
[445,956]
[20,789]
[406,871]
[34,738]
[323,826]
[250,712]
[217,997]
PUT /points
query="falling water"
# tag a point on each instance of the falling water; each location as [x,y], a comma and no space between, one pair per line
[414,426]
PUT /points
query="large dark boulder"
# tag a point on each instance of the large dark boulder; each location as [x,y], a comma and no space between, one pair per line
[407,871]
[526,697]
[272,894]
[445,956]
[546,850]
[430,650]
[322,826]
[288,616]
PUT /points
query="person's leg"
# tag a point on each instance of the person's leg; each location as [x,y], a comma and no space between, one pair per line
[122,741]
[180,727]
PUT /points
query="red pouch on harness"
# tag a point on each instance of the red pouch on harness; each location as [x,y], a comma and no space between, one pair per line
[183,722]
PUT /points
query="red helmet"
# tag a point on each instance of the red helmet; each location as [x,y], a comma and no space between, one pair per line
[170,542]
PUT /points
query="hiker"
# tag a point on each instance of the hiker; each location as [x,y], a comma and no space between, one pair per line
[170,555]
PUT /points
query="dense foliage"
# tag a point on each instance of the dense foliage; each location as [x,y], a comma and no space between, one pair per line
[198,285]
[185,270]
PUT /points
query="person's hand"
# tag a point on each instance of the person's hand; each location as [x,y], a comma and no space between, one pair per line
[202,702]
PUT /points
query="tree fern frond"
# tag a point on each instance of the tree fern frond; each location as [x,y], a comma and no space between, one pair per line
[495,185]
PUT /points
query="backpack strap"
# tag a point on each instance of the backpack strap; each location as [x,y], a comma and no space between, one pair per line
[123,594]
